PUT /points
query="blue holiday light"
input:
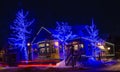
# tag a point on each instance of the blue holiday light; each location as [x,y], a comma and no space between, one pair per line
[20,33]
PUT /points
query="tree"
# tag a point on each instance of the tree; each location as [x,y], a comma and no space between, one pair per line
[20,33]
[93,36]
[92,32]
[63,33]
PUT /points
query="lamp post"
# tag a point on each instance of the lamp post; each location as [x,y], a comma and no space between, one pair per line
[29,51]
[28,44]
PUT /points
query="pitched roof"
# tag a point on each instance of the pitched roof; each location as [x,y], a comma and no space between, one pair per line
[42,34]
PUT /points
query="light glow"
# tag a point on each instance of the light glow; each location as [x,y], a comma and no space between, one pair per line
[81,45]
[101,47]
[108,48]
[75,47]
[99,44]
[36,65]
[28,44]
[56,43]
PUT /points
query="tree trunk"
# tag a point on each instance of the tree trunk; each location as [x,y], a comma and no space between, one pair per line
[64,54]
[26,54]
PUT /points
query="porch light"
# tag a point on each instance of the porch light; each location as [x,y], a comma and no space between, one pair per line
[101,47]
[47,44]
[108,48]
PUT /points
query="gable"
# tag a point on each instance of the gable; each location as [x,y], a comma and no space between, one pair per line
[42,35]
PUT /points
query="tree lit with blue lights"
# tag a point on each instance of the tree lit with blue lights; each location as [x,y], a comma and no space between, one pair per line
[63,34]
[20,33]
[93,36]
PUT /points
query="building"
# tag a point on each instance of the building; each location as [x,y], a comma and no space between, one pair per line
[46,47]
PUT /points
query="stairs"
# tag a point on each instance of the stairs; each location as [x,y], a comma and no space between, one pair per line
[68,60]
[71,60]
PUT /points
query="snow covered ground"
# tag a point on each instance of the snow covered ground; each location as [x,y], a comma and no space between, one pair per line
[60,67]
[112,68]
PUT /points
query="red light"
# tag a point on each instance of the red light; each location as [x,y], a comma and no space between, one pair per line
[36,65]
[31,63]
[40,61]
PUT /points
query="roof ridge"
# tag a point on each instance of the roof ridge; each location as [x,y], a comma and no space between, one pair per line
[39,32]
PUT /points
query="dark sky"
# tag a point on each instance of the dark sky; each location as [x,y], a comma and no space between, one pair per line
[106,14]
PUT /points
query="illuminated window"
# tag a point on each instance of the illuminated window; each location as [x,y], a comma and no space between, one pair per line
[74,42]
[108,48]
[81,45]
[47,49]
[42,50]
[75,47]
[28,44]
[56,43]
[47,44]
[54,50]
[41,45]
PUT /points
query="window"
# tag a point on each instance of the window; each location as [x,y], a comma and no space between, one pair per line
[53,50]
[47,50]
[81,45]
[75,47]
[41,45]
[47,44]
[74,42]
[42,50]
[56,43]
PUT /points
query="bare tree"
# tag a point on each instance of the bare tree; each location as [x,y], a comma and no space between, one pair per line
[63,34]
[20,33]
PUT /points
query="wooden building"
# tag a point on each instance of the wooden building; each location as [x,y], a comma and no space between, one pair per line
[46,47]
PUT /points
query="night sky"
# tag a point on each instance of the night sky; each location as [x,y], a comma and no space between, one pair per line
[106,14]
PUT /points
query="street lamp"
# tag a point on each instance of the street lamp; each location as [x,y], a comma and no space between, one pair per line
[28,44]
[29,51]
